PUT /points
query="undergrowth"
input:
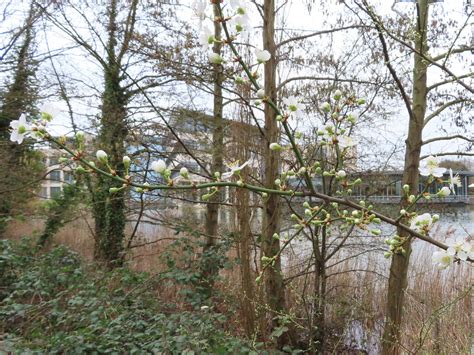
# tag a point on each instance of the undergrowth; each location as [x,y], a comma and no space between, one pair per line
[54,302]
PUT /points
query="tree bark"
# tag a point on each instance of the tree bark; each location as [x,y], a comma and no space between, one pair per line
[273,278]
[397,283]
[210,269]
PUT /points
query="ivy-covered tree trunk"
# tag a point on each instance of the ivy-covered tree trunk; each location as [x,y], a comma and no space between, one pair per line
[19,98]
[273,278]
[397,283]
[109,209]
[210,268]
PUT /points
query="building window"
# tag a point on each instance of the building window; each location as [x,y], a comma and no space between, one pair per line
[55,175]
[55,191]
[44,192]
[68,177]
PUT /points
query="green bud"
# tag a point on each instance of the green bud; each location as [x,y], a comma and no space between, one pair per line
[306,204]
[337,95]
[376,231]
[240,183]
[239,80]
[276,236]
[264,195]
[406,188]
[113,190]
[279,118]
[360,101]
[387,254]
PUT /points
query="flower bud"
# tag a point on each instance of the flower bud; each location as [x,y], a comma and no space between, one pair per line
[126,161]
[306,204]
[360,101]
[260,93]
[337,95]
[411,198]
[403,212]
[376,231]
[159,166]
[435,218]
[215,58]
[326,107]
[341,174]
[444,192]
[184,172]
[101,156]
[406,188]
[278,182]
[239,80]
[264,195]
[279,118]
[113,190]
[240,183]
[275,147]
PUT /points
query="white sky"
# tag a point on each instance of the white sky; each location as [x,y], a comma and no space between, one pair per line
[296,17]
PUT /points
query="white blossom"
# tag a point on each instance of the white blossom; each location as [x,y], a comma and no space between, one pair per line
[459,247]
[262,55]
[260,93]
[454,181]
[234,169]
[432,167]
[294,105]
[206,38]
[345,141]
[240,23]
[159,166]
[442,259]
[421,223]
[20,129]
[341,174]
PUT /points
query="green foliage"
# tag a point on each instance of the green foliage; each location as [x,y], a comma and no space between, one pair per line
[58,209]
[188,265]
[54,303]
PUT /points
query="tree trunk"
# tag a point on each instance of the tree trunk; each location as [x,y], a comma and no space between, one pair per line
[18,99]
[273,278]
[397,283]
[210,269]
[109,209]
